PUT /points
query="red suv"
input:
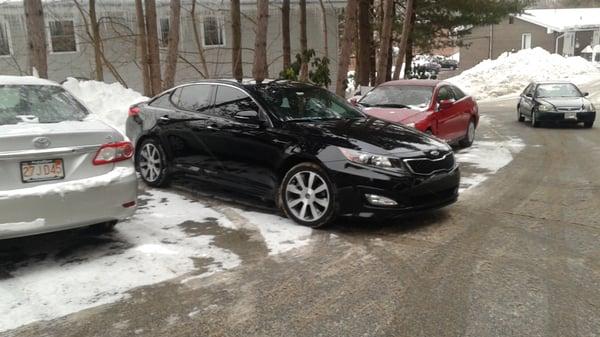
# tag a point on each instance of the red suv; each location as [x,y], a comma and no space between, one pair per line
[435,107]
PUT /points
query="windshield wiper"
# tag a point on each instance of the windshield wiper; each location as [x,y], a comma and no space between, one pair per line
[390,105]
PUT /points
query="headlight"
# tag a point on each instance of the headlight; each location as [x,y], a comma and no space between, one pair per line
[411,125]
[365,158]
[589,107]
[545,107]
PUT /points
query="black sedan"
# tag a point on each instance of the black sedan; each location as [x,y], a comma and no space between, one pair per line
[559,102]
[300,146]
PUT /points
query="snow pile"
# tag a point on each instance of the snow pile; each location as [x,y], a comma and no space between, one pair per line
[107,102]
[510,73]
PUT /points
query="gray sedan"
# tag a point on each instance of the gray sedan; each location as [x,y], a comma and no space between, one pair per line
[58,168]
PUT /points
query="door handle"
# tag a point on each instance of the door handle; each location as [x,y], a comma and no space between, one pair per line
[212,126]
[164,119]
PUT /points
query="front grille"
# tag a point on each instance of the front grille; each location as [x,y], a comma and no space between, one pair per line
[427,166]
[569,109]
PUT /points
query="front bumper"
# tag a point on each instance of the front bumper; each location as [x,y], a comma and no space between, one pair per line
[559,117]
[412,193]
[71,204]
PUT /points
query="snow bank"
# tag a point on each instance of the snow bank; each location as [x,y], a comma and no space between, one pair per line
[510,74]
[107,102]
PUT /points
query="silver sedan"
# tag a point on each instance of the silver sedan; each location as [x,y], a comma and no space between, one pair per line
[58,168]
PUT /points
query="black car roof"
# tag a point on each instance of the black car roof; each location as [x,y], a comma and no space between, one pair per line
[251,83]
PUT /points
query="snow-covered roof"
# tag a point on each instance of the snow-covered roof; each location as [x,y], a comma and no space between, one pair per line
[24,80]
[563,19]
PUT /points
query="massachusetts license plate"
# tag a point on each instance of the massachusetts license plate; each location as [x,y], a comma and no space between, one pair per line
[42,170]
[570,115]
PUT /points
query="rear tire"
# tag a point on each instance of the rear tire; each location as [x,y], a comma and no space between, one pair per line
[305,189]
[151,163]
[104,227]
[467,141]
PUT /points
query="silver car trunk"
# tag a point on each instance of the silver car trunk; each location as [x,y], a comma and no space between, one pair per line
[73,142]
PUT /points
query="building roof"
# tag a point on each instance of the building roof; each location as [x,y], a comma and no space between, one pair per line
[563,19]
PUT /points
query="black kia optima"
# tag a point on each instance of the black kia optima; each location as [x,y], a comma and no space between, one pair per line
[558,102]
[298,145]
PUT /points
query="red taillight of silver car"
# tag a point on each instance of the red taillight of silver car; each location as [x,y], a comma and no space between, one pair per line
[113,152]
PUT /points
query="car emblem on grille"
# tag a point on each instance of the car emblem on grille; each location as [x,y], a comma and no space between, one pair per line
[41,142]
[434,153]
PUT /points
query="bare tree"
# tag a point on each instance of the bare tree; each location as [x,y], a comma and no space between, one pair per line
[96,40]
[303,42]
[386,40]
[173,46]
[259,70]
[152,42]
[325,31]
[36,37]
[142,43]
[365,36]
[407,28]
[204,72]
[285,31]
[236,52]
[346,47]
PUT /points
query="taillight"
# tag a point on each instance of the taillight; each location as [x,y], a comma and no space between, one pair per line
[134,111]
[113,152]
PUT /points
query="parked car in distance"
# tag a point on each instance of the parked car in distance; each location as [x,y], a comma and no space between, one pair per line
[298,145]
[435,107]
[558,102]
[447,63]
[59,169]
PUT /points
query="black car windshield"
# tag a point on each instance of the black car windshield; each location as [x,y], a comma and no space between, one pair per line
[291,103]
[557,90]
[398,96]
[38,104]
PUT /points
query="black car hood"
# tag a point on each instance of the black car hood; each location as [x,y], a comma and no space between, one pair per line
[564,102]
[370,135]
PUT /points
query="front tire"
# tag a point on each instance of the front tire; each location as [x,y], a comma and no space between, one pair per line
[588,125]
[307,195]
[467,141]
[151,163]
[520,116]
[534,122]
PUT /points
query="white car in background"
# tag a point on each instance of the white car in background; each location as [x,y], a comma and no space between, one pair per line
[59,169]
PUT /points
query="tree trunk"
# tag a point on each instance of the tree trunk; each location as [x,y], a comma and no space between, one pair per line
[385,43]
[96,40]
[236,52]
[346,47]
[407,28]
[173,47]
[36,37]
[408,58]
[325,31]
[153,51]
[142,43]
[303,42]
[285,30]
[259,70]
[365,35]
[198,42]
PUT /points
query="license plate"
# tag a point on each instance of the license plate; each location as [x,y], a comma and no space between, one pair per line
[42,170]
[570,115]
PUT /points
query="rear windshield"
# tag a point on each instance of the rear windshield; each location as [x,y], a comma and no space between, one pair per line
[38,104]
[398,96]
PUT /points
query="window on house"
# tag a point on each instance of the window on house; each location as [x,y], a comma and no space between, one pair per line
[213,32]
[164,32]
[526,41]
[4,39]
[62,36]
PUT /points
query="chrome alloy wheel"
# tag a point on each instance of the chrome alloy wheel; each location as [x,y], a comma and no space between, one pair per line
[150,162]
[307,196]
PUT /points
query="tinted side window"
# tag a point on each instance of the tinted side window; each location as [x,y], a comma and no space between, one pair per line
[445,93]
[230,101]
[193,97]
[162,101]
[458,94]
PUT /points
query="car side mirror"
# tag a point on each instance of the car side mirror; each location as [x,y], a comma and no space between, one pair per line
[586,94]
[354,101]
[248,116]
[446,103]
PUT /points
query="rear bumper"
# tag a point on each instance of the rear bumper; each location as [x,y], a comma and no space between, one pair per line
[559,117]
[411,193]
[64,205]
